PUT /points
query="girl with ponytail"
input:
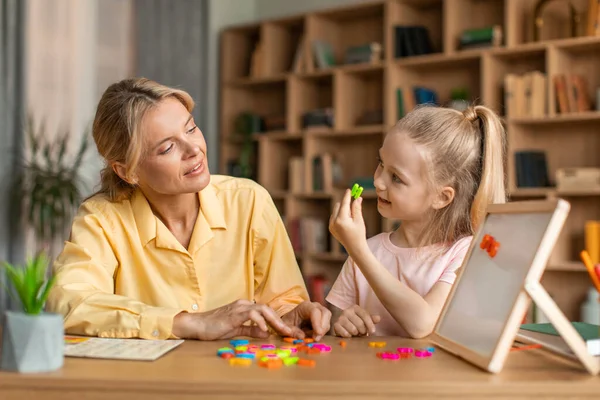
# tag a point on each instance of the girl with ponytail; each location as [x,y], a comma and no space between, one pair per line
[438,170]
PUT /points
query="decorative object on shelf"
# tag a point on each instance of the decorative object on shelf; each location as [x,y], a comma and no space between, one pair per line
[538,20]
[490,36]
[320,117]
[578,179]
[590,309]
[459,99]
[32,340]
[411,41]
[367,53]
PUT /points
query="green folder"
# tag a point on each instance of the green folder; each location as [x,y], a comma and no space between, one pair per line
[587,331]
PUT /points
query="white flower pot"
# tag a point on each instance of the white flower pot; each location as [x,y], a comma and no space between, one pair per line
[32,343]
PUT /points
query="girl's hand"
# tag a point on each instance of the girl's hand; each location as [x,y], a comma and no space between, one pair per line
[355,321]
[346,223]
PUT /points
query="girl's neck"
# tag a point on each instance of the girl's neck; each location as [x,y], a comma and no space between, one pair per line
[407,234]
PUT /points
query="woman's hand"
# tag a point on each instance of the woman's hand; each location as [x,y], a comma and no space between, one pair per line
[228,321]
[346,223]
[310,314]
[355,321]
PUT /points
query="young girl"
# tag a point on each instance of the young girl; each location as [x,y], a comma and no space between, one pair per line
[438,170]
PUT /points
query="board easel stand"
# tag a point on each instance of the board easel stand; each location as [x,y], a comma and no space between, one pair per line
[563,326]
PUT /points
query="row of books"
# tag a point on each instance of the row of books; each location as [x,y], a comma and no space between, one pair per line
[308,234]
[525,95]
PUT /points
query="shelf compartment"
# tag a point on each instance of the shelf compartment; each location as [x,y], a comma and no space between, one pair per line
[460,15]
[499,64]
[356,156]
[555,16]
[343,28]
[277,152]
[308,93]
[427,13]
[359,99]
[282,39]
[237,46]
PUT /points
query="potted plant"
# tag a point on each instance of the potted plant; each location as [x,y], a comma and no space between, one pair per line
[32,340]
[48,186]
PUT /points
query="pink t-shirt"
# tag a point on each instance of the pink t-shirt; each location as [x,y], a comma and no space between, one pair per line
[351,286]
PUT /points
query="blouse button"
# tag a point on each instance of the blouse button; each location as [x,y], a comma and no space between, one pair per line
[195,307]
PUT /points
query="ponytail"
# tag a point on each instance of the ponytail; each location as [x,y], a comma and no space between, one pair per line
[491,188]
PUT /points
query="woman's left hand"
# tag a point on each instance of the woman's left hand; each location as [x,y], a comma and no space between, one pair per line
[346,223]
[310,313]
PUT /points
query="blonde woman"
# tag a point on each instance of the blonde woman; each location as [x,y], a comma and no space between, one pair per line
[164,249]
[438,170]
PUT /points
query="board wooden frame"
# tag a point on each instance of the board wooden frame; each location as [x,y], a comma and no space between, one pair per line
[531,290]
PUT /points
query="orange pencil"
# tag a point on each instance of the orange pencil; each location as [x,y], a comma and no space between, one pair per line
[585,257]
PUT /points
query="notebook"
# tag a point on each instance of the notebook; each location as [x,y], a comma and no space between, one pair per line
[118,349]
[547,334]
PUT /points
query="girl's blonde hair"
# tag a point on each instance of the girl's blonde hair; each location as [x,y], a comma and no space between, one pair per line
[463,150]
[117,129]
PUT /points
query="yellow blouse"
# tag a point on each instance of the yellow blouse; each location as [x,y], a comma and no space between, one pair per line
[123,274]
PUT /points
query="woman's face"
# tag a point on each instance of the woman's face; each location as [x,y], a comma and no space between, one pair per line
[175,160]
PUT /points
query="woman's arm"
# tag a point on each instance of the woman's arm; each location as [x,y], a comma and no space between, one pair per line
[84,288]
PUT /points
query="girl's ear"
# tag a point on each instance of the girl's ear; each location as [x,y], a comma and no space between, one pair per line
[444,198]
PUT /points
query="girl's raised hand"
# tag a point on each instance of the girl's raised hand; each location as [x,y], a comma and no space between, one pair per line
[346,223]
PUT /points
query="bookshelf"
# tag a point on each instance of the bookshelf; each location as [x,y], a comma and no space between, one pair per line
[271,69]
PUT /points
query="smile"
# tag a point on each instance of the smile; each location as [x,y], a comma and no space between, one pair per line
[198,168]
[382,201]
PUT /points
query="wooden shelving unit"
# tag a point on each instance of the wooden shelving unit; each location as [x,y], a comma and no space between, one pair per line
[569,140]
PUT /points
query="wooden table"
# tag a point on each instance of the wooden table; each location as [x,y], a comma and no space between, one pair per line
[193,371]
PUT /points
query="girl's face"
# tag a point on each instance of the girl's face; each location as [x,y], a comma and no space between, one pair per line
[175,160]
[400,180]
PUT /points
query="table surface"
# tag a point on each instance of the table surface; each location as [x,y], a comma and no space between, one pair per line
[193,369]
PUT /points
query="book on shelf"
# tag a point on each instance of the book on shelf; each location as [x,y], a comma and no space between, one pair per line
[323,52]
[531,167]
[367,53]
[571,93]
[318,288]
[411,40]
[408,97]
[525,95]
[308,234]
[296,177]
[489,36]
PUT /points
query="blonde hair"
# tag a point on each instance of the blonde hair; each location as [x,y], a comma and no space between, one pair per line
[117,129]
[463,150]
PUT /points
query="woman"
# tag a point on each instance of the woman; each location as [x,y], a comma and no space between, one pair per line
[165,250]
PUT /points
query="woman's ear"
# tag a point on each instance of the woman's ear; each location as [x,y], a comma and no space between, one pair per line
[120,170]
[444,198]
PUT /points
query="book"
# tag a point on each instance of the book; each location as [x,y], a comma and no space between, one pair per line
[590,333]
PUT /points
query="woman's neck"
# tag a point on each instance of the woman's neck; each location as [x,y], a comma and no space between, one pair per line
[177,212]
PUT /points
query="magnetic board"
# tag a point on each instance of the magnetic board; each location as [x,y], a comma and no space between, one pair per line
[487,302]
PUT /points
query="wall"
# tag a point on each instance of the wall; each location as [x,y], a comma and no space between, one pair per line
[224,13]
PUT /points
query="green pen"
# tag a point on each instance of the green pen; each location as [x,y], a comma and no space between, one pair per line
[356,191]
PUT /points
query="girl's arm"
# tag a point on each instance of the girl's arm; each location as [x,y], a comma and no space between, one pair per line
[416,314]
